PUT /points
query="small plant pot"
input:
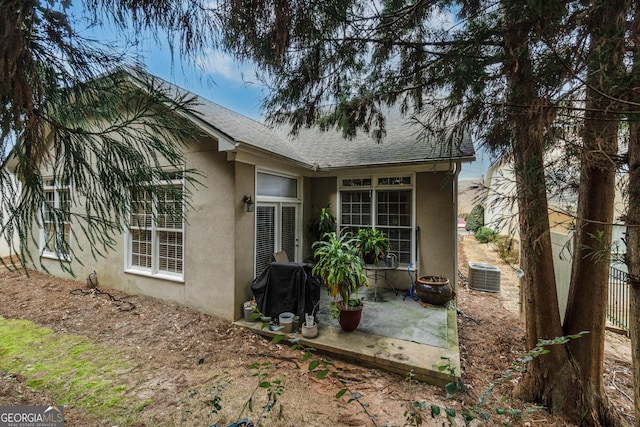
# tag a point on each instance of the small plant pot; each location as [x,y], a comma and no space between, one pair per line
[286,321]
[309,331]
[248,309]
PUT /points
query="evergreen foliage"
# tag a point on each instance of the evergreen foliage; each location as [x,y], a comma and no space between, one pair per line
[484,234]
[475,219]
[73,116]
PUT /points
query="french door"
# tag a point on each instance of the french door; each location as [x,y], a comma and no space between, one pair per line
[276,230]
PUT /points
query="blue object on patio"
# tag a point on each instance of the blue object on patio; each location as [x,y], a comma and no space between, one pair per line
[411,282]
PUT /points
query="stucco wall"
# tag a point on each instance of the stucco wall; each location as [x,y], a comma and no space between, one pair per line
[436,218]
[212,243]
[244,236]
[322,192]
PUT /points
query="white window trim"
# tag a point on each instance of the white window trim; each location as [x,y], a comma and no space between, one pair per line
[374,187]
[44,252]
[154,271]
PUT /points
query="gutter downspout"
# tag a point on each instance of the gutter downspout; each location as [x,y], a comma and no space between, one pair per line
[455,219]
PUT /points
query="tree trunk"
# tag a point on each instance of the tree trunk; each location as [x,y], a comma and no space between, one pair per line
[633,254]
[552,379]
[633,213]
[588,292]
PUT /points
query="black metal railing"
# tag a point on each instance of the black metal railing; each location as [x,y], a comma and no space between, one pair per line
[618,307]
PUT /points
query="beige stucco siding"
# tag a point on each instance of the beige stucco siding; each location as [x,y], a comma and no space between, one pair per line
[436,217]
[210,236]
[244,250]
[322,192]
[218,242]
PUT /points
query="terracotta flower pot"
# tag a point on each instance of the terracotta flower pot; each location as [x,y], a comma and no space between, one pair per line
[434,290]
[350,319]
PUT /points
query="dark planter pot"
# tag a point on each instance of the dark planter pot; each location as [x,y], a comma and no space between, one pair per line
[369,258]
[434,290]
[350,319]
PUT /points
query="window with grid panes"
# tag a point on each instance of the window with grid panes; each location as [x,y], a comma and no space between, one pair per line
[381,202]
[157,229]
[56,230]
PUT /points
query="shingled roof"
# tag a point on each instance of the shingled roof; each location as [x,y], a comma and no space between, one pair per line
[329,149]
[403,143]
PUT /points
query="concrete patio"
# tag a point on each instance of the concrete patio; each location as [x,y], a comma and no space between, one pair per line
[397,334]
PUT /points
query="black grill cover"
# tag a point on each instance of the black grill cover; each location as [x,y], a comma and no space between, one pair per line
[286,286]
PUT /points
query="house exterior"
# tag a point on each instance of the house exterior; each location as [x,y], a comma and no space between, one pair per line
[402,185]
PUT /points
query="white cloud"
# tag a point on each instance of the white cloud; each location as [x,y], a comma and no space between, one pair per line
[223,65]
[441,19]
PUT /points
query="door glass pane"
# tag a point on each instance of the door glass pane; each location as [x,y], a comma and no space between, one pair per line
[265,229]
[289,231]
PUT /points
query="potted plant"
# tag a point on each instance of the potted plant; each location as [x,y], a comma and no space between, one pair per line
[342,271]
[372,244]
[434,290]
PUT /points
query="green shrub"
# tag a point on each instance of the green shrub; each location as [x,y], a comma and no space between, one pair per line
[507,248]
[475,219]
[484,234]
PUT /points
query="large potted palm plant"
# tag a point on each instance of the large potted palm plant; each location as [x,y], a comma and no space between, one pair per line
[341,269]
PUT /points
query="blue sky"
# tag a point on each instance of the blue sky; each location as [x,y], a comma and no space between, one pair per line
[215,76]
[221,79]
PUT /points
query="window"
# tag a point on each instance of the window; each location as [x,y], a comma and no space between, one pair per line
[276,186]
[385,203]
[56,226]
[156,236]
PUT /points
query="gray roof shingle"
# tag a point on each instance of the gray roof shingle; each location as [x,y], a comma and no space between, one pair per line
[402,144]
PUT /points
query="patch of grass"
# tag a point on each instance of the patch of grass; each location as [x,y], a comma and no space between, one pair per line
[72,369]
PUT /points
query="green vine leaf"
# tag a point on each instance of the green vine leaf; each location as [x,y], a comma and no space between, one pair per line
[435,411]
[452,389]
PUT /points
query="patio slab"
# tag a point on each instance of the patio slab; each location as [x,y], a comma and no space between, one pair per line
[386,339]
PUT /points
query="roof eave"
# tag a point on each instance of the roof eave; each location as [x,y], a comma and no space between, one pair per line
[257,151]
[426,162]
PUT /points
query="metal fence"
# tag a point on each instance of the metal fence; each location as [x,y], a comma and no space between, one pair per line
[618,307]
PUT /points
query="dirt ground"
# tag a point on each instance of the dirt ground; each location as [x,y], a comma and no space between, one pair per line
[181,360]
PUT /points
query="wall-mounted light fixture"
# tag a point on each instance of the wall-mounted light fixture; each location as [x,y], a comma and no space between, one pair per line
[248,202]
